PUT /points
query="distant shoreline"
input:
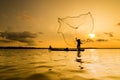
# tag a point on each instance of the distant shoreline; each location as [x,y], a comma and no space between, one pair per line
[21,48]
[48,48]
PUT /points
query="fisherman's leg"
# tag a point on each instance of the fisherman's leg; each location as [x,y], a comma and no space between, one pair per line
[78,54]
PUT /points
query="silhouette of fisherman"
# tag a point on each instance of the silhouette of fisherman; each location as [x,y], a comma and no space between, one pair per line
[78,59]
[78,43]
[78,50]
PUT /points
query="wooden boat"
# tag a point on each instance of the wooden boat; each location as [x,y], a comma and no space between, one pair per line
[65,49]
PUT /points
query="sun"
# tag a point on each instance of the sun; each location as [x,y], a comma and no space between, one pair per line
[91,35]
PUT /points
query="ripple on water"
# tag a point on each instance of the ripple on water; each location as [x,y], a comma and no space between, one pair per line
[42,62]
[6,66]
[15,78]
[43,66]
[8,69]
[38,76]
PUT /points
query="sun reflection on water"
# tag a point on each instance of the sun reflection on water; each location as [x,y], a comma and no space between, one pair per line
[97,65]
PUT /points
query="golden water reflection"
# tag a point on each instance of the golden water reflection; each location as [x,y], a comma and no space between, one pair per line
[54,65]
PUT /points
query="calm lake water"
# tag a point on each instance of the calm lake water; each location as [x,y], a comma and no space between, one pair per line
[30,64]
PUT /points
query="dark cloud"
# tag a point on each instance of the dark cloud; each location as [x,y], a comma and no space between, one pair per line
[117,39]
[25,37]
[89,40]
[40,32]
[101,40]
[109,34]
[118,24]
[5,41]
[40,41]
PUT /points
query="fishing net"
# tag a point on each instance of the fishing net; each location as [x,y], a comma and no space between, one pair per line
[72,27]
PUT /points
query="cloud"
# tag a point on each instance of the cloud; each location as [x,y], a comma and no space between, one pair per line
[40,41]
[118,24]
[25,16]
[89,40]
[40,32]
[102,40]
[24,37]
[109,34]
[5,41]
[117,39]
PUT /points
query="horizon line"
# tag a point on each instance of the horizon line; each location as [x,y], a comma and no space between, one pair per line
[23,47]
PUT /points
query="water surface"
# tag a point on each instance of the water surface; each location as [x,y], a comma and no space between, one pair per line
[38,64]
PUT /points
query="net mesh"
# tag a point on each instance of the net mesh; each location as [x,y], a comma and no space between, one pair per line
[72,27]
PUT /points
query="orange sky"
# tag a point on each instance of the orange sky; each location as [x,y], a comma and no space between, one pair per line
[34,22]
